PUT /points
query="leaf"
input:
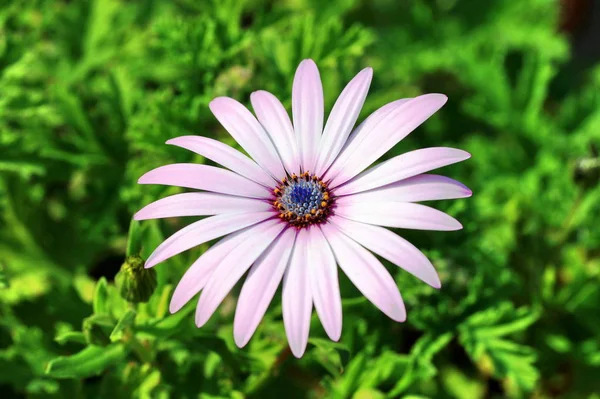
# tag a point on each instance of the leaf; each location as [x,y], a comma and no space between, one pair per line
[100,303]
[482,335]
[70,336]
[91,361]
[124,322]
[329,354]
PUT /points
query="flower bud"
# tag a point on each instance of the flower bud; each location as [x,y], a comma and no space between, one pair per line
[135,283]
[97,329]
[587,172]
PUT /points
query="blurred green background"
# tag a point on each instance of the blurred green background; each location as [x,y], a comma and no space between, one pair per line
[91,90]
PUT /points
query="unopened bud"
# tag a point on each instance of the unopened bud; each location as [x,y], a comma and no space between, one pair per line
[97,329]
[587,172]
[135,283]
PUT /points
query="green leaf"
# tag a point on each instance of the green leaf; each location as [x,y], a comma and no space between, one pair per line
[91,361]
[100,303]
[124,322]
[70,336]
[483,336]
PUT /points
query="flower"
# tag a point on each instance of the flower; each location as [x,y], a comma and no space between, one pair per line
[304,204]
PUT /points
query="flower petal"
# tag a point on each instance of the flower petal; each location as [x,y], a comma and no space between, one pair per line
[390,246]
[202,231]
[204,177]
[297,299]
[246,130]
[404,215]
[414,189]
[233,267]
[198,273]
[366,273]
[224,155]
[342,118]
[403,166]
[260,286]
[200,204]
[307,110]
[276,121]
[392,128]
[324,284]
[358,135]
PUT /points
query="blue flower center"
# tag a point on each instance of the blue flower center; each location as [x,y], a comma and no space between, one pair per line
[303,200]
[302,197]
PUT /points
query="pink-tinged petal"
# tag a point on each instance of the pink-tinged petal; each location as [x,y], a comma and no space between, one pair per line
[260,286]
[414,189]
[276,121]
[200,204]
[197,275]
[202,231]
[224,155]
[404,215]
[324,284]
[393,127]
[297,299]
[390,246]
[204,177]
[358,135]
[233,267]
[342,118]
[403,166]
[246,130]
[307,110]
[366,273]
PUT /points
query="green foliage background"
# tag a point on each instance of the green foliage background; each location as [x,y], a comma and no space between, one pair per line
[91,90]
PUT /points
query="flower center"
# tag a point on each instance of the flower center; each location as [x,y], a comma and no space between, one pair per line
[302,200]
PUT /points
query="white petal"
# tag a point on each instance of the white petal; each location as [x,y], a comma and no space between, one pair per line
[307,110]
[401,167]
[392,128]
[204,177]
[390,246]
[324,284]
[200,204]
[202,231]
[366,273]
[224,155]
[276,121]
[404,215]
[246,130]
[197,275]
[358,135]
[233,267]
[342,118]
[414,189]
[297,299]
[260,286]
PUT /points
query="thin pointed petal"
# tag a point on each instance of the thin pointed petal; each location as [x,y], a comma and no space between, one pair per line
[224,155]
[204,177]
[342,118]
[202,231]
[233,267]
[260,286]
[403,166]
[366,273]
[276,121]
[246,130]
[307,110]
[403,215]
[297,299]
[324,284]
[200,204]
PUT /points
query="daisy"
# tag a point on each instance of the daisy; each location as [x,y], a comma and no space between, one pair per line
[303,203]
